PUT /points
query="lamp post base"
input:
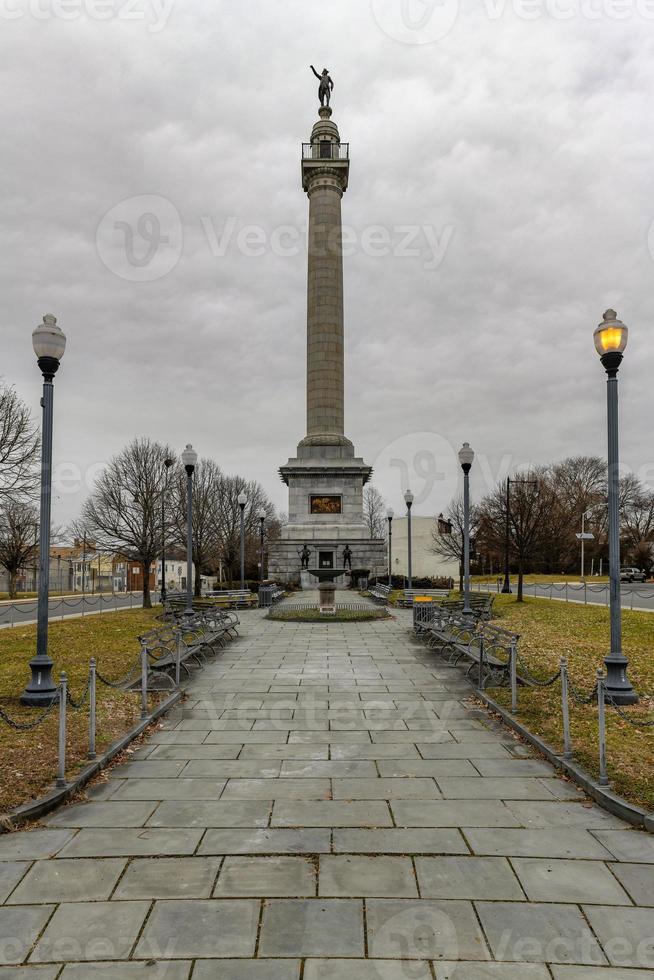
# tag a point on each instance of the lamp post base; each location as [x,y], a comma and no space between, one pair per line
[617,685]
[41,690]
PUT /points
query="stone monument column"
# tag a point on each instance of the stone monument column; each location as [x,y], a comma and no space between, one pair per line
[325,172]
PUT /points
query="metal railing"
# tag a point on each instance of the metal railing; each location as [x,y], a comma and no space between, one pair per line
[571,592]
[22,613]
[325,150]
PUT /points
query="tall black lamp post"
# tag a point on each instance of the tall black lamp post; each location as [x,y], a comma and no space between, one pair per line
[389,517]
[408,499]
[49,343]
[466,459]
[167,463]
[610,341]
[506,588]
[261,514]
[242,502]
[189,459]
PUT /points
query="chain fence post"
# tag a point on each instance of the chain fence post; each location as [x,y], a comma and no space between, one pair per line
[514,676]
[144,681]
[480,679]
[11,615]
[632,600]
[585,593]
[63,698]
[178,658]
[92,710]
[601,714]
[565,708]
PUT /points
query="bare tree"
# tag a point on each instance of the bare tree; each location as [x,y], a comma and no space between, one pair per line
[123,513]
[228,520]
[374,511]
[450,544]
[638,529]
[19,527]
[531,505]
[19,445]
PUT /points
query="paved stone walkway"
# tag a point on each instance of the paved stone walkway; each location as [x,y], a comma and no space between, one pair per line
[327,806]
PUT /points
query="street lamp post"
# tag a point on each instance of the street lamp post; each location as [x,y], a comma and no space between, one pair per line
[49,343]
[506,588]
[408,499]
[389,517]
[584,537]
[262,522]
[189,459]
[466,459]
[242,502]
[167,463]
[610,341]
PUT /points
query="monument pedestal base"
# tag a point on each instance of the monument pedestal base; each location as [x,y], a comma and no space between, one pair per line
[327,592]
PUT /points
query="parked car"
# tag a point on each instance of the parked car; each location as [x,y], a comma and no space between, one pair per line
[632,575]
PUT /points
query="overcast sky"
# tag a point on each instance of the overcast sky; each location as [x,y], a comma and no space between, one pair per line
[500,200]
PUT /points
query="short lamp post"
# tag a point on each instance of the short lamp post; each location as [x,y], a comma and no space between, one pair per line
[242,502]
[49,343]
[466,459]
[389,517]
[189,459]
[610,342]
[261,514]
[167,463]
[408,500]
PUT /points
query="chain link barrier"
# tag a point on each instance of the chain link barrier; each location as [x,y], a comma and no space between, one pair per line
[623,714]
[27,726]
[527,675]
[129,677]
[79,704]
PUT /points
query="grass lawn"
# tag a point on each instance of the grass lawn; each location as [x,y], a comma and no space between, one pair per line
[550,630]
[314,616]
[28,760]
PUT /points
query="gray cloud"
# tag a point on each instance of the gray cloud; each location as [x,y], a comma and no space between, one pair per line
[524,147]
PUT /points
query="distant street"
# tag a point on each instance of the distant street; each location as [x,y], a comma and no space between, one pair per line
[24,611]
[634,596]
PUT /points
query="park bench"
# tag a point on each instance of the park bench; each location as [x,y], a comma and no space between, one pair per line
[380,593]
[487,647]
[234,598]
[192,639]
[409,596]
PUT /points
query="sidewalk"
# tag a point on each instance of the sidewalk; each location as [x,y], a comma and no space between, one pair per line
[327,804]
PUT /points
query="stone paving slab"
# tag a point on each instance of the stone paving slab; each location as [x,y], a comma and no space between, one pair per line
[323,927]
[11,873]
[127,971]
[365,970]
[327,805]
[19,929]
[201,929]
[569,881]
[468,878]
[301,841]
[240,877]
[539,933]
[91,931]
[68,881]
[191,877]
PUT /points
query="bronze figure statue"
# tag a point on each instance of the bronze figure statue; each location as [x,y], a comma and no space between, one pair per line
[347,557]
[305,556]
[326,86]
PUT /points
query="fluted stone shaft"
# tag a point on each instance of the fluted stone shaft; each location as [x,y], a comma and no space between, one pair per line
[324,178]
[325,365]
